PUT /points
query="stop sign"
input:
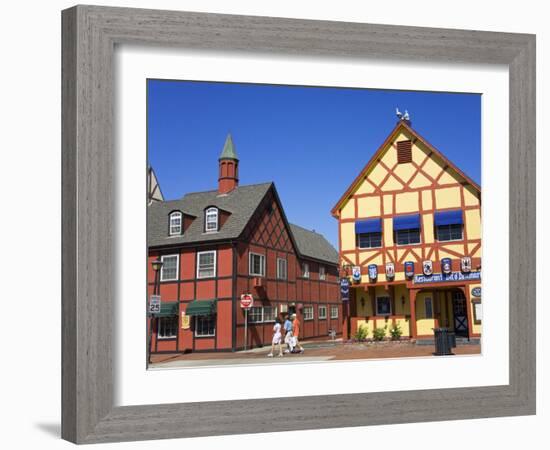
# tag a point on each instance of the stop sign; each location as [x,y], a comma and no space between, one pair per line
[246,301]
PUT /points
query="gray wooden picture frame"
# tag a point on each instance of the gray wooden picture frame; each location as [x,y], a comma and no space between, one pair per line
[90,34]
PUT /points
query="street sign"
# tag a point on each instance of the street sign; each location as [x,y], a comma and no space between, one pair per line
[154,304]
[247,301]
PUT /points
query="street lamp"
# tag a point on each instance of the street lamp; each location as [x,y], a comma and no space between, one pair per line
[157,265]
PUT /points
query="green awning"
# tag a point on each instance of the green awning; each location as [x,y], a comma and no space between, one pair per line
[201,308]
[168,309]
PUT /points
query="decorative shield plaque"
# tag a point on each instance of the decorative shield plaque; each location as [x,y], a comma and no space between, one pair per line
[427,267]
[466,264]
[390,270]
[409,269]
[373,271]
[356,274]
[446,265]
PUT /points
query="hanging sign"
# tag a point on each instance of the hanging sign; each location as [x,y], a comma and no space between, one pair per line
[185,322]
[466,264]
[476,292]
[390,270]
[356,274]
[373,271]
[446,265]
[427,267]
[409,269]
[344,289]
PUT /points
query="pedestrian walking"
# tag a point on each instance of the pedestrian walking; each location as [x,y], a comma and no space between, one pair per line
[277,337]
[288,334]
[296,333]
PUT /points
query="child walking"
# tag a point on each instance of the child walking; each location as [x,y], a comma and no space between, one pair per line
[277,336]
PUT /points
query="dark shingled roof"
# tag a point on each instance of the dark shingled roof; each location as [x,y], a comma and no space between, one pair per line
[313,244]
[241,203]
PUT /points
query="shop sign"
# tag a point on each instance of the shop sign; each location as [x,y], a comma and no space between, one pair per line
[356,274]
[446,265]
[409,269]
[427,267]
[390,270]
[373,271]
[154,304]
[344,289]
[444,277]
[247,301]
[466,264]
[476,292]
[185,322]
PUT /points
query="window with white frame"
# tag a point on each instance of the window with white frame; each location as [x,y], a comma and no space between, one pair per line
[282,269]
[308,312]
[211,220]
[256,314]
[175,223]
[322,273]
[383,306]
[334,312]
[270,313]
[169,270]
[205,325]
[305,270]
[167,327]
[256,264]
[206,264]
[322,312]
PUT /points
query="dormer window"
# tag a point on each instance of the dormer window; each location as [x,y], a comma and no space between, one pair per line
[211,220]
[175,223]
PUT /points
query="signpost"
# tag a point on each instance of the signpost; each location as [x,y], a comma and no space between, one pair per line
[246,303]
[154,308]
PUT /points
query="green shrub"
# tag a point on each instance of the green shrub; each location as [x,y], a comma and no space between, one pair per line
[379,333]
[361,333]
[396,332]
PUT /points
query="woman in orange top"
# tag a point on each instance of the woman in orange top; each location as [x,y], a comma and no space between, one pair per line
[296,332]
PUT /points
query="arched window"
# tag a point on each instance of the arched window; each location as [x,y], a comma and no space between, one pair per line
[211,220]
[175,223]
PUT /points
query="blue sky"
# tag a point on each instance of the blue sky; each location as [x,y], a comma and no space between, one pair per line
[311,141]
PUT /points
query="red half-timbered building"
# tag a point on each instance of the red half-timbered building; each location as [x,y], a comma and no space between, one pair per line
[220,244]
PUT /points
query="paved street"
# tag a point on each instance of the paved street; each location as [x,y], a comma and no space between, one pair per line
[314,352]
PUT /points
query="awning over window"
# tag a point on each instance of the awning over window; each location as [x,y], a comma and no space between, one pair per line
[408,222]
[368,226]
[201,308]
[448,217]
[168,309]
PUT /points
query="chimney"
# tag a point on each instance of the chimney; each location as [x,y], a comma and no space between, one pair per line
[228,178]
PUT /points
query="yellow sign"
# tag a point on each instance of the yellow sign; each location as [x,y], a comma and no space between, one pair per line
[185,320]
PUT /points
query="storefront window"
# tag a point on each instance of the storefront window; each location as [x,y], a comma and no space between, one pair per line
[167,327]
[383,307]
[205,325]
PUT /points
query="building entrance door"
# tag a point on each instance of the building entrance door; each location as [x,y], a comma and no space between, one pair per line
[460,314]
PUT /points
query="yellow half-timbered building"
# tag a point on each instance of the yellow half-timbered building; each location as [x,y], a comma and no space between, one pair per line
[410,241]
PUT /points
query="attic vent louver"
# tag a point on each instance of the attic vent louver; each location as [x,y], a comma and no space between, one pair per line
[404,152]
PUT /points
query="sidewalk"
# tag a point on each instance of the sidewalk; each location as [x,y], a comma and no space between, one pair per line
[314,351]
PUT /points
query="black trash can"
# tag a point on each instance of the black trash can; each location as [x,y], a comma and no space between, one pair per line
[444,341]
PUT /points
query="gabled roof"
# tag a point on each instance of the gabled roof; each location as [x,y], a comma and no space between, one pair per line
[400,126]
[241,203]
[313,245]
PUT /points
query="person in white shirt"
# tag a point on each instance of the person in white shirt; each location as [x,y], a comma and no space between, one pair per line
[277,337]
